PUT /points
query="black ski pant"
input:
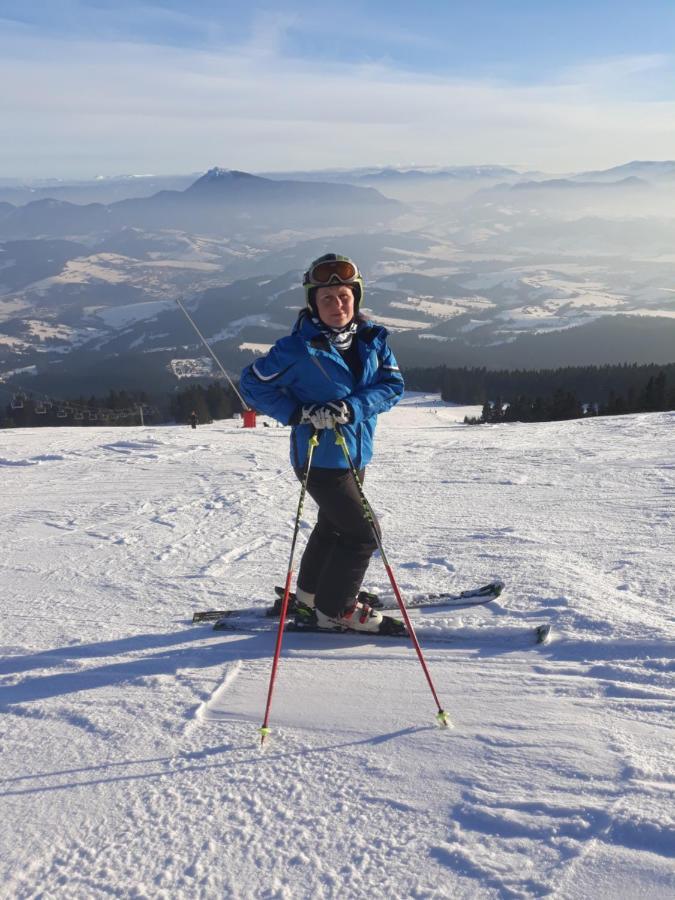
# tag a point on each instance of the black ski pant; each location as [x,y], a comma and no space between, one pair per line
[340,546]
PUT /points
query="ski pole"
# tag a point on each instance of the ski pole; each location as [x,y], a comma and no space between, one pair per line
[313,442]
[441,716]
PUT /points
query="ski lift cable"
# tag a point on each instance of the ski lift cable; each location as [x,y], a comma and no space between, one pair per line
[40,399]
[12,393]
[217,361]
[37,397]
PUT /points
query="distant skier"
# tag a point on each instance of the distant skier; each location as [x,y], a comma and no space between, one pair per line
[335,368]
[193,419]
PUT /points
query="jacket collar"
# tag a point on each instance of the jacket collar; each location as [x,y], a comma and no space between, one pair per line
[309,332]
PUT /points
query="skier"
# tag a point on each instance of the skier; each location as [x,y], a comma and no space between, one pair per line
[193,419]
[334,369]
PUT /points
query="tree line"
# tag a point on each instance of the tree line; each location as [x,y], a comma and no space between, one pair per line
[505,395]
[552,394]
[117,408]
[209,403]
[120,408]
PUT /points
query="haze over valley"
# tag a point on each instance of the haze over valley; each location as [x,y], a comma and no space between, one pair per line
[470,265]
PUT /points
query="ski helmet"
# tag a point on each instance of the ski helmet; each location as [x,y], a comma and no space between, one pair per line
[331,268]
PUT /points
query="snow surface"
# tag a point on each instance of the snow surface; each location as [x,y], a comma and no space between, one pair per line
[130,749]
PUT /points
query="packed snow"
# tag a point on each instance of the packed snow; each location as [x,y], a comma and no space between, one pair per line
[131,760]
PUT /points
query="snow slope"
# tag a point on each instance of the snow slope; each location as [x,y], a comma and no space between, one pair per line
[130,757]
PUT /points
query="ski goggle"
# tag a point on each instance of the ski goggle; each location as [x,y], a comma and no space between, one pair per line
[330,271]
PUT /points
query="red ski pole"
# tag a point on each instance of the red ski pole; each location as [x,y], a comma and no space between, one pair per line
[313,442]
[441,716]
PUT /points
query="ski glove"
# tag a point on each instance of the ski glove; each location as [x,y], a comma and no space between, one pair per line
[326,415]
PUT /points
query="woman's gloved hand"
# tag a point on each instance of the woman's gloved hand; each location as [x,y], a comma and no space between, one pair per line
[325,415]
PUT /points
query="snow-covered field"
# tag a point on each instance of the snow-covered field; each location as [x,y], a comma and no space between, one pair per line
[129,737]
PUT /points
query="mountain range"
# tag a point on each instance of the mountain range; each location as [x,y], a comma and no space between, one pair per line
[514,269]
[218,200]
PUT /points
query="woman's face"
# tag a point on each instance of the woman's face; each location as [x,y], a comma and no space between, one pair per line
[335,305]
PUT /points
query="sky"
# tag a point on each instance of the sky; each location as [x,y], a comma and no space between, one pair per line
[91,87]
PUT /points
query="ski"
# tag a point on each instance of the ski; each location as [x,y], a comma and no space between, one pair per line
[265,612]
[463,599]
[471,597]
[539,634]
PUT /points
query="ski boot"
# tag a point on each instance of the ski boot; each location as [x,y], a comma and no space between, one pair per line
[359,617]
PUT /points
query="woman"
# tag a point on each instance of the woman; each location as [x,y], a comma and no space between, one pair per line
[334,369]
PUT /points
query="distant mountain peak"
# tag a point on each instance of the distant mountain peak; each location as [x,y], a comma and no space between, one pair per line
[217,172]
[217,176]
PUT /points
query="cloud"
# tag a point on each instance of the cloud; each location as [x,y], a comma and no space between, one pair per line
[84,107]
[268,34]
[122,20]
[615,69]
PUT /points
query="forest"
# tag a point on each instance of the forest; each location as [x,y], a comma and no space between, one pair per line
[552,394]
[505,396]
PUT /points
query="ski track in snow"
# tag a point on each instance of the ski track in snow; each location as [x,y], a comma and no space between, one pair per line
[130,748]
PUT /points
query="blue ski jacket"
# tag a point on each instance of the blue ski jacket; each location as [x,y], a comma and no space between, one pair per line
[305,368]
